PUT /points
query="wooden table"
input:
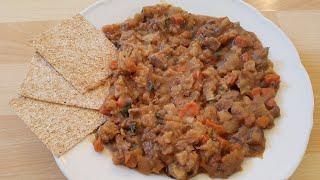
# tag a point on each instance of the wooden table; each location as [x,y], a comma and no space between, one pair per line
[22,155]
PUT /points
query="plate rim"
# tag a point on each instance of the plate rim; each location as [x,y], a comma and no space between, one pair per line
[299,65]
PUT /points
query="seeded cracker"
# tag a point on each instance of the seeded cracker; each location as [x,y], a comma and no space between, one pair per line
[78,51]
[44,83]
[59,127]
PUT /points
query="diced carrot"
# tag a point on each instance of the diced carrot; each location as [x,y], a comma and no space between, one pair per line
[97,144]
[268,92]
[182,68]
[270,103]
[262,121]
[130,65]
[204,138]
[256,91]
[219,129]
[223,143]
[190,109]
[245,57]
[231,79]
[197,75]
[249,121]
[272,78]
[113,65]
[242,41]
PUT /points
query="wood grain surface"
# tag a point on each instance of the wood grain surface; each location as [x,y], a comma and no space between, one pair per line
[22,155]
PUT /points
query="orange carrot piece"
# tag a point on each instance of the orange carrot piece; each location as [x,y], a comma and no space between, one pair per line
[272,78]
[231,79]
[190,109]
[262,122]
[223,143]
[242,41]
[271,103]
[256,91]
[197,75]
[249,121]
[98,146]
[268,92]
[182,68]
[219,129]
[130,65]
[204,138]
[113,65]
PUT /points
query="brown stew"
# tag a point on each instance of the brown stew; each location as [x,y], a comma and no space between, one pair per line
[189,94]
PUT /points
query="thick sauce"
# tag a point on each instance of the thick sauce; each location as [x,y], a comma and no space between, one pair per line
[189,94]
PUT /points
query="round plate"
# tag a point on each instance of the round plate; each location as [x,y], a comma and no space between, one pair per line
[286,142]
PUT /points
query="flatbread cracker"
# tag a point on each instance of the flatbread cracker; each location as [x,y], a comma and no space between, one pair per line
[59,127]
[78,51]
[43,82]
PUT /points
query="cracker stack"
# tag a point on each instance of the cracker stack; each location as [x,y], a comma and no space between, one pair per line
[65,84]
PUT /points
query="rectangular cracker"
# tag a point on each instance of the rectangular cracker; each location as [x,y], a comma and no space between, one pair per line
[59,127]
[43,82]
[78,51]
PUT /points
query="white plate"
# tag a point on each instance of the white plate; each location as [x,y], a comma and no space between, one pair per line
[286,142]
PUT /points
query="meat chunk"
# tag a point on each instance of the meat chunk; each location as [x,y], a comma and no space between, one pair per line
[256,136]
[158,60]
[212,43]
[243,41]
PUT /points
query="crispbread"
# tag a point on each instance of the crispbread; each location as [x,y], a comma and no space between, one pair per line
[43,82]
[78,51]
[59,127]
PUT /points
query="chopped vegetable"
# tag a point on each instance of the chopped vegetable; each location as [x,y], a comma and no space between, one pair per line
[125,110]
[197,75]
[219,129]
[256,91]
[231,79]
[130,65]
[262,122]
[271,103]
[242,41]
[249,121]
[160,119]
[150,86]
[268,92]
[272,78]
[190,109]
[98,145]
[204,138]
[177,19]
[245,57]
[133,128]
[223,142]
[113,65]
